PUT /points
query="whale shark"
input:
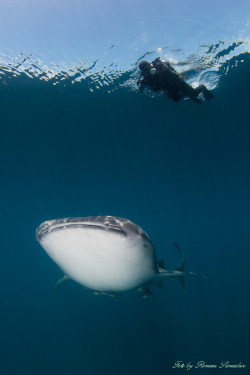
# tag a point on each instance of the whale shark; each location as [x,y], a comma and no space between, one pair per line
[106,254]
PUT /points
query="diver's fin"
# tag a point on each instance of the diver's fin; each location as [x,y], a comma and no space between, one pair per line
[61,281]
[208,94]
[195,99]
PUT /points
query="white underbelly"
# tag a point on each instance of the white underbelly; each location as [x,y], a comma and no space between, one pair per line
[99,259]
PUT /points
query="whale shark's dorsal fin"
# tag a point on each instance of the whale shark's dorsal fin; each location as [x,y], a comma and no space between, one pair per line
[181,266]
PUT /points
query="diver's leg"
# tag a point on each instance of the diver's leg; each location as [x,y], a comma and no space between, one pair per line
[191,92]
[175,96]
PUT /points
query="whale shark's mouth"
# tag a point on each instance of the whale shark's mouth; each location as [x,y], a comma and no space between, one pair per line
[103,223]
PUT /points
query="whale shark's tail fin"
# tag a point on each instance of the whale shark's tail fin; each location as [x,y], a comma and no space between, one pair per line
[179,249]
[181,266]
[178,273]
[180,269]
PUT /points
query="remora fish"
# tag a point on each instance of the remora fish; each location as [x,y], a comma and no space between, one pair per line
[106,254]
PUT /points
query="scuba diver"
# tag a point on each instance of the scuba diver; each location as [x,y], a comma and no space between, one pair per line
[161,76]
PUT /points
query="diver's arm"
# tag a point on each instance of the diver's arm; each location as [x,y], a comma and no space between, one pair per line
[147,81]
[141,83]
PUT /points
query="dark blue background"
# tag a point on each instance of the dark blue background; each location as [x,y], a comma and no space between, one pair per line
[179,170]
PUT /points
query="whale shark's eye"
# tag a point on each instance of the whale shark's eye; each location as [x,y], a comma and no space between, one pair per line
[111,221]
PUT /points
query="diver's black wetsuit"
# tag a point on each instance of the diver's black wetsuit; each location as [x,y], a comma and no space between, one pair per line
[161,76]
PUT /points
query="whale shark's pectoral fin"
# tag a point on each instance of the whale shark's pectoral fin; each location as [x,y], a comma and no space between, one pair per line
[146,293]
[97,293]
[61,281]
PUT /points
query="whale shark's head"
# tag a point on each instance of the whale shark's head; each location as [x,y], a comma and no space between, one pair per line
[104,253]
[120,226]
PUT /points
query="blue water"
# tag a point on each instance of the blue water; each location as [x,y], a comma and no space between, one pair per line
[179,170]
